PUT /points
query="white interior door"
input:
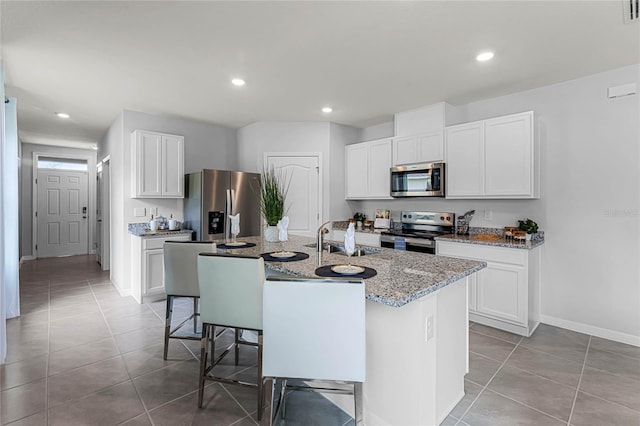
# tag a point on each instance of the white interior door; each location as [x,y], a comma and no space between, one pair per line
[105,200]
[62,213]
[303,204]
[99,214]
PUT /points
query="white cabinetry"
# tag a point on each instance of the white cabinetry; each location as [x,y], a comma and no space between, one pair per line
[424,148]
[364,238]
[419,135]
[495,158]
[147,270]
[506,294]
[157,165]
[367,170]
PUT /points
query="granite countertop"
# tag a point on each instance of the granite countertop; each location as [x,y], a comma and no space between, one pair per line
[500,242]
[141,230]
[402,276]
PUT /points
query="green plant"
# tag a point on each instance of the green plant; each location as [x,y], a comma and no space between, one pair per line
[274,186]
[528,225]
[359,217]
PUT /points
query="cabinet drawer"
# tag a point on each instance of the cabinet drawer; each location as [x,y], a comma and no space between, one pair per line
[482,252]
[158,243]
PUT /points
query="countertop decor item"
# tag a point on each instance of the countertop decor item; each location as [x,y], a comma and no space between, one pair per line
[274,186]
[529,226]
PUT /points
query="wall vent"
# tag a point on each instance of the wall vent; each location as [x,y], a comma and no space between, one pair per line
[631,8]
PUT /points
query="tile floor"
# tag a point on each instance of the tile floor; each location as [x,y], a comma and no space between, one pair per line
[81,354]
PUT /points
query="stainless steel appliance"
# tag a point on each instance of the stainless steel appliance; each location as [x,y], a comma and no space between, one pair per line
[418,180]
[212,195]
[419,230]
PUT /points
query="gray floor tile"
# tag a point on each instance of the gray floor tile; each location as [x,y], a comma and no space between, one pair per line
[75,331]
[590,411]
[490,347]
[471,391]
[494,332]
[146,360]
[22,401]
[27,345]
[312,409]
[81,355]
[449,421]
[217,404]
[82,381]
[613,363]
[481,369]
[560,342]
[134,322]
[78,311]
[98,409]
[494,410]
[624,390]
[141,420]
[546,365]
[161,386]
[138,339]
[39,419]
[71,301]
[610,346]
[22,372]
[534,391]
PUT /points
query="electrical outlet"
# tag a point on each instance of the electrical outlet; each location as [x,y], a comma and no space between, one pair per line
[488,215]
[153,211]
[429,328]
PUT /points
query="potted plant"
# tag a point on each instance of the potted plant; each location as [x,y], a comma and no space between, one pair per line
[359,218]
[273,192]
[529,226]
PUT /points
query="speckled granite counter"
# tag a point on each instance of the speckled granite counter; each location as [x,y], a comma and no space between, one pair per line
[141,230]
[501,242]
[402,276]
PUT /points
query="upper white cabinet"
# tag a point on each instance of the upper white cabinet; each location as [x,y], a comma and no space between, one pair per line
[424,148]
[419,135]
[368,170]
[157,165]
[495,158]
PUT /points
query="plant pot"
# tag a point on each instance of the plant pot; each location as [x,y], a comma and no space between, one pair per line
[271,234]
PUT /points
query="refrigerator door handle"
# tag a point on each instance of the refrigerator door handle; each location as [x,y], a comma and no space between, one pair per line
[228,212]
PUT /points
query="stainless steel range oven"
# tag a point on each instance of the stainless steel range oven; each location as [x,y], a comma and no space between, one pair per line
[419,230]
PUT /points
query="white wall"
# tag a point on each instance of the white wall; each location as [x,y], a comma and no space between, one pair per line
[339,136]
[379,131]
[589,206]
[26,194]
[206,146]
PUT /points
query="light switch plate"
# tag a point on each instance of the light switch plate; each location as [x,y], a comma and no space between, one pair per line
[488,215]
[139,212]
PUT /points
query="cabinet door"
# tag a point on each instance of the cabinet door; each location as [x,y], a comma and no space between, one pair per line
[172,166]
[473,284]
[465,160]
[431,147]
[379,169]
[501,292]
[148,164]
[356,162]
[509,156]
[405,150]
[153,279]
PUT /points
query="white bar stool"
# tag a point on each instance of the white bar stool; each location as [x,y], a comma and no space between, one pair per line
[314,329]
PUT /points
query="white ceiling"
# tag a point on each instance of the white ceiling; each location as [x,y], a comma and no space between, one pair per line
[365,59]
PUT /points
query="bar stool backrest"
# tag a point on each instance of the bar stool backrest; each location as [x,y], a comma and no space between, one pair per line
[180,266]
[231,290]
[314,329]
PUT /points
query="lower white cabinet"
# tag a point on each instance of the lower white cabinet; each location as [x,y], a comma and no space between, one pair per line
[147,270]
[506,294]
[364,238]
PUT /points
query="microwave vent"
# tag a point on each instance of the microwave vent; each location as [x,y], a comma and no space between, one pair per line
[631,10]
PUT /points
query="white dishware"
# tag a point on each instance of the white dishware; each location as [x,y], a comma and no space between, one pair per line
[347,269]
[173,225]
[235,243]
[153,225]
[282,254]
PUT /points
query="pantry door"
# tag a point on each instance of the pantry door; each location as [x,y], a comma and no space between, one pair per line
[303,204]
[62,213]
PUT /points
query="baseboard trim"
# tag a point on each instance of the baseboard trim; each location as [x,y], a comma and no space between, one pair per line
[604,333]
[25,258]
[123,291]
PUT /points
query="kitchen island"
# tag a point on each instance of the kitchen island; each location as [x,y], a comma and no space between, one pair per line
[417,329]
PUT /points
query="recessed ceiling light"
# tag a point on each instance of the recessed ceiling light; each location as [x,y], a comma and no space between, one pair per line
[327,110]
[62,115]
[484,56]
[94,147]
[237,82]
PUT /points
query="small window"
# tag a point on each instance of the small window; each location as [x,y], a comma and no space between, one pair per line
[62,164]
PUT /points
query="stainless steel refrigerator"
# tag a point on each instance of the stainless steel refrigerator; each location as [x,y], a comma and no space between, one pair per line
[212,195]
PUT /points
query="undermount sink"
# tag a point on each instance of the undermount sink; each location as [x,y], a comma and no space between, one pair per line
[338,249]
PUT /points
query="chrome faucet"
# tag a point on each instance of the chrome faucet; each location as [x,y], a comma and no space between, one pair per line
[320,241]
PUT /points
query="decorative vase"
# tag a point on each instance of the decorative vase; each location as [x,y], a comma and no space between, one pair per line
[527,237]
[271,234]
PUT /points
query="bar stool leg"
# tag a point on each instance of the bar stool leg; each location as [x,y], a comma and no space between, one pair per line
[358,400]
[167,325]
[237,347]
[195,315]
[259,382]
[203,362]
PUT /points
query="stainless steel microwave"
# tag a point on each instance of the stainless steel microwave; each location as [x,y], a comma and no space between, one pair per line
[418,180]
